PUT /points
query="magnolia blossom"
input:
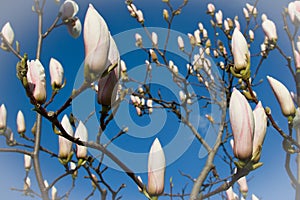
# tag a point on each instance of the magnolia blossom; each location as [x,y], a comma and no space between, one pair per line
[138,40]
[210,8]
[246,13]
[260,120]
[37,80]
[219,17]
[56,73]
[68,9]
[132,9]
[156,169]
[3,117]
[294,11]
[251,35]
[192,39]
[154,38]
[240,51]
[65,145]
[230,194]
[180,43]
[254,197]
[226,26]
[46,183]
[53,193]
[20,122]
[197,36]
[74,27]
[200,26]
[27,184]
[243,186]
[27,162]
[81,133]
[8,34]
[149,105]
[251,9]
[73,167]
[237,23]
[153,55]
[94,180]
[242,125]
[166,14]
[107,92]
[140,16]
[204,33]
[283,97]
[96,44]
[269,28]
[123,66]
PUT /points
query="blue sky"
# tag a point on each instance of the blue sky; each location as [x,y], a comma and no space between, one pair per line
[268,182]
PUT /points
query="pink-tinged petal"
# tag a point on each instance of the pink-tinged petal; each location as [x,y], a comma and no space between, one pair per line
[240,51]
[243,186]
[260,120]
[37,80]
[56,73]
[283,97]
[96,42]
[291,11]
[65,145]
[81,133]
[21,122]
[230,194]
[156,169]
[242,125]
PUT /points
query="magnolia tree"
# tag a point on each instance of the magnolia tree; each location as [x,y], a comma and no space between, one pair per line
[151,112]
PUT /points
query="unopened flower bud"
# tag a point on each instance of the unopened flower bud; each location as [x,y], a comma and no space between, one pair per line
[283,97]
[53,193]
[246,13]
[251,35]
[153,55]
[210,8]
[8,34]
[154,39]
[166,14]
[204,33]
[140,16]
[156,169]
[27,162]
[74,27]
[197,37]
[138,40]
[180,43]
[21,122]
[219,18]
[56,74]
[200,26]
[82,134]
[68,9]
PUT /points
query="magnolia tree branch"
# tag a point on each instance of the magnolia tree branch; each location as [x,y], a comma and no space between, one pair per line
[196,191]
